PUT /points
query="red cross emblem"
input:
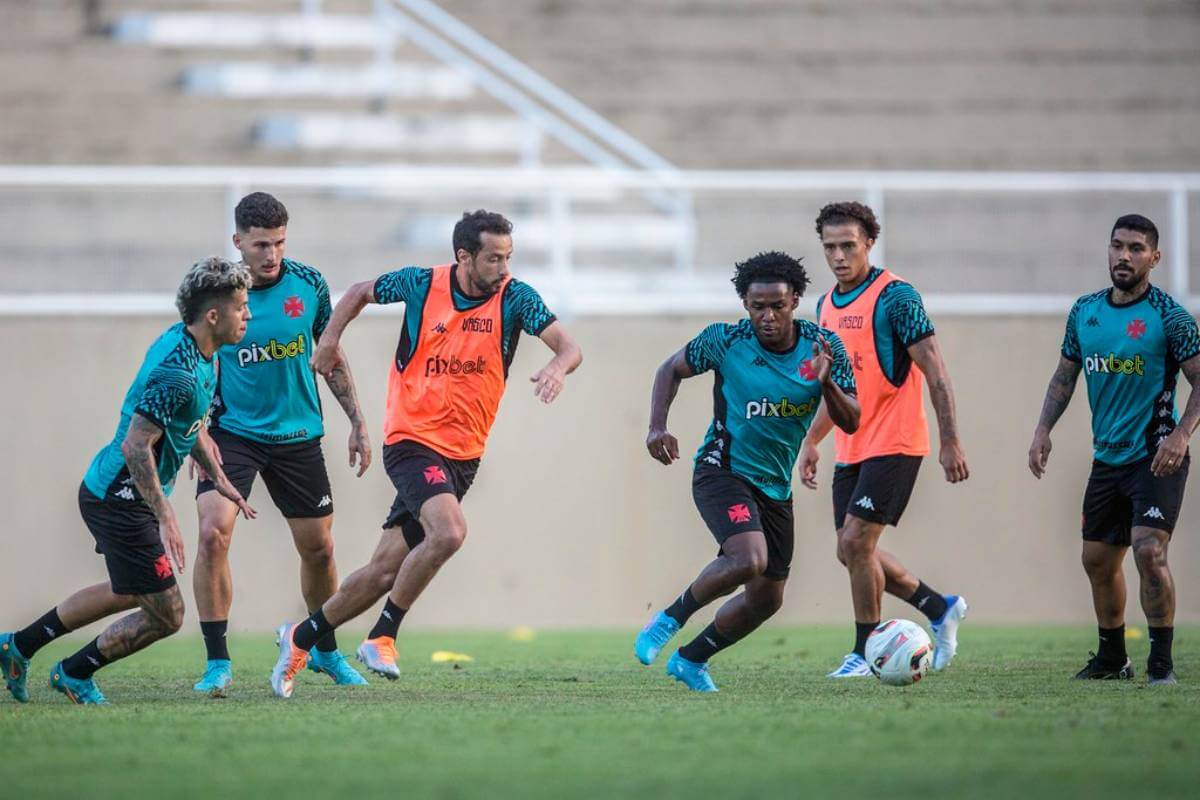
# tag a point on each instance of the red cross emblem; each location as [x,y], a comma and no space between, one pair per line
[293,306]
[806,370]
[1136,329]
[739,513]
[434,475]
[162,567]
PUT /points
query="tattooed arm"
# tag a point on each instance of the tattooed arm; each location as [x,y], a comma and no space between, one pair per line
[202,453]
[341,383]
[928,357]
[1058,396]
[138,449]
[1171,451]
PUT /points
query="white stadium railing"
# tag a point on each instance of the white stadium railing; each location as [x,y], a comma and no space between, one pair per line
[642,286]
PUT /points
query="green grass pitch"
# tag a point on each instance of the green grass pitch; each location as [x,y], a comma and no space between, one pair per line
[571,714]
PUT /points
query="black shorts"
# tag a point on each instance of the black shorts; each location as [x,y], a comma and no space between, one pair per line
[876,490]
[1118,499]
[126,533]
[294,473]
[419,473]
[730,504]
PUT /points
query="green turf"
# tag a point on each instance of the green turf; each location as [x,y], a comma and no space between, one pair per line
[572,715]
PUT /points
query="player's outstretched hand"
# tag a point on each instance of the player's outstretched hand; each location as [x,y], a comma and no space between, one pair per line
[325,357]
[172,540]
[230,492]
[822,359]
[662,446]
[1170,454]
[954,462]
[1039,453]
[808,465]
[360,448]
[548,382]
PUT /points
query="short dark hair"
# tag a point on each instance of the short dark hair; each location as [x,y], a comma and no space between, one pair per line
[770,267]
[1136,222]
[843,213]
[259,210]
[468,231]
[209,279]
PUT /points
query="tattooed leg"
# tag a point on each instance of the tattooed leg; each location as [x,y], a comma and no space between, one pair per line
[158,616]
[1158,587]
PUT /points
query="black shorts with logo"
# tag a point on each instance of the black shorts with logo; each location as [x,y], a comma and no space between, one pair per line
[877,489]
[1121,498]
[126,534]
[730,504]
[419,473]
[294,473]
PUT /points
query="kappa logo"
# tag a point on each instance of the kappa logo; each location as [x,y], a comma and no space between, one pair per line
[293,306]
[1154,513]
[162,567]
[49,631]
[738,513]
[1161,429]
[271,351]
[1092,322]
[866,502]
[125,493]
[325,501]
[438,328]
[434,475]
[759,361]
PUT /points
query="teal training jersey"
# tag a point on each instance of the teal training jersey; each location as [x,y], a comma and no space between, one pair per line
[521,308]
[268,391]
[763,401]
[173,389]
[1130,356]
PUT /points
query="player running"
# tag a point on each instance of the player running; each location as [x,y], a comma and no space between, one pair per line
[771,374]
[1130,341]
[461,325]
[267,420]
[123,497]
[883,324]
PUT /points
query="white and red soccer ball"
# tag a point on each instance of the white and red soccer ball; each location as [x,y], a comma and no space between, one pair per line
[899,652]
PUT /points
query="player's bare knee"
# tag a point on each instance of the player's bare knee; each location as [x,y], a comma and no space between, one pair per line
[1149,553]
[319,553]
[214,540]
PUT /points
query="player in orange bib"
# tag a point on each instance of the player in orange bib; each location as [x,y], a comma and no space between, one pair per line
[882,322]
[461,326]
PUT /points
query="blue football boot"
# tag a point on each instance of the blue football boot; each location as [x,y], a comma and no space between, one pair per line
[690,674]
[16,668]
[218,675]
[335,665]
[79,692]
[658,632]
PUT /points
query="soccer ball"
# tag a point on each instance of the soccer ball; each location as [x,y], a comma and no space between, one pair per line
[899,652]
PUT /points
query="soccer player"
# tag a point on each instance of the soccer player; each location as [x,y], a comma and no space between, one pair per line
[1130,341]
[886,331]
[123,497]
[461,325]
[771,373]
[267,421]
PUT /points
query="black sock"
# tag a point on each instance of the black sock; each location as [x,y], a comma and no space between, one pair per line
[33,638]
[928,602]
[388,623]
[1112,645]
[310,631]
[1160,647]
[706,645]
[684,606]
[861,631]
[84,664]
[327,643]
[214,639]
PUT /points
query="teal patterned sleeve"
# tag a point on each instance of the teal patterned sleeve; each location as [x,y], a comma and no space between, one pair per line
[167,390]
[707,350]
[399,286]
[906,313]
[1183,338]
[842,370]
[1070,346]
[522,302]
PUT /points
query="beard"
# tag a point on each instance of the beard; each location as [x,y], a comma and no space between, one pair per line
[1124,283]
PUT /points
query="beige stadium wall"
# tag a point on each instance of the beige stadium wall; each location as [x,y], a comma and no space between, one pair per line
[571,523]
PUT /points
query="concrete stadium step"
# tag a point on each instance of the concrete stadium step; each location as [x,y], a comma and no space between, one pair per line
[257,80]
[214,30]
[590,232]
[468,133]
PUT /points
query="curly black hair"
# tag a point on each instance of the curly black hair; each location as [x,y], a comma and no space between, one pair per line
[770,267]
[468,232]
[842,213]
[259,210]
